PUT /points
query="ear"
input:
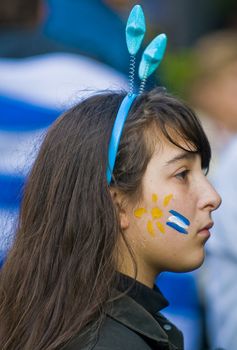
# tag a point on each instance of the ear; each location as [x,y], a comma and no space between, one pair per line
[118,200]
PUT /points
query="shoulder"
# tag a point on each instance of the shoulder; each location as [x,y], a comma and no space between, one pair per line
[115,335]
[112,335]
[126,325]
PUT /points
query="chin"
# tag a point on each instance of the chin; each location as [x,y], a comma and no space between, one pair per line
[195,263]
[189,264]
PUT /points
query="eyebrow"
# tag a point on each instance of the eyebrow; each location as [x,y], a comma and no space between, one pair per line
[185,155]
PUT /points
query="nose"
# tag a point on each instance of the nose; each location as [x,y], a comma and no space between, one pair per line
[209,197]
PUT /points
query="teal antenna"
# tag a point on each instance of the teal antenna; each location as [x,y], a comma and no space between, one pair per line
[152,56]
[151,59]
[135,31]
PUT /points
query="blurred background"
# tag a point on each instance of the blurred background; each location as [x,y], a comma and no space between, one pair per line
[54,52]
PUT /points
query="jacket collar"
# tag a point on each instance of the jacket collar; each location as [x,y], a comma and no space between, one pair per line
[128,312]
[151,299]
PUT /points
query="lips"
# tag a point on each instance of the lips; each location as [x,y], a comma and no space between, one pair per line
[207,227]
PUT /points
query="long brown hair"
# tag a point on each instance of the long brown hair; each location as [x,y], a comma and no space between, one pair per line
[62,266]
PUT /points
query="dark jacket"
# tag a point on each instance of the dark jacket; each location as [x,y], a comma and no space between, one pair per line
[129,326]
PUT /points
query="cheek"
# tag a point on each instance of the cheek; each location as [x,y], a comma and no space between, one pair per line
[181,214]
[162,214]
[153,215]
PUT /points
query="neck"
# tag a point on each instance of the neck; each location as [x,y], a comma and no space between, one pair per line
[142,274]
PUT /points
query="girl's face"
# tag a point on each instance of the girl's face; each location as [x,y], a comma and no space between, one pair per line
[169,226]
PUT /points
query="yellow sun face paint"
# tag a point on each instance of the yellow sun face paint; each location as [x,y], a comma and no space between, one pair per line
[150,228]
[156,213]
[160,227]
[139,212]
[167,199]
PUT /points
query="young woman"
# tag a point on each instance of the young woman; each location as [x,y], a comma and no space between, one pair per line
[81,271]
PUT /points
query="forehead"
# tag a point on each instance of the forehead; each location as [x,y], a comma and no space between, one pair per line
[167,153]
[169,141]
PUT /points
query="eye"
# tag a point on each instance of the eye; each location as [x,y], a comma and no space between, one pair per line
[182,175]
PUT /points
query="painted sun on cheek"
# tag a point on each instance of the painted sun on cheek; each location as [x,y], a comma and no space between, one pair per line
[155,214]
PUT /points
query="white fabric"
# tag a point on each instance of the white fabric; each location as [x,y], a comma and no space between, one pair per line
[221,261]
[18,149]
[56,79]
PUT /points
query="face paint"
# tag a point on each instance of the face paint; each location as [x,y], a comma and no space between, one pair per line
[167,199]
[160,227]
[155,213]
[139,212]
[178,222]
[150,228]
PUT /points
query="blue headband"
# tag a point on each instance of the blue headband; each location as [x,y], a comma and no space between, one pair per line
[151,58]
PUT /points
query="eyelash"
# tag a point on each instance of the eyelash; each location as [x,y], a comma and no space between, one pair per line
[182,175]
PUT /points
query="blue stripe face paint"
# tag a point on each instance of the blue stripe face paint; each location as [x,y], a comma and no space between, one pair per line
[178,222]
[176,227]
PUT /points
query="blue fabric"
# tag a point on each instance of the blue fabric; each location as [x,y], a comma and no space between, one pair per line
[19,115]
[19,121]
[1,259]
[180,289]
[184,309]
[11,187]
[92,27]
